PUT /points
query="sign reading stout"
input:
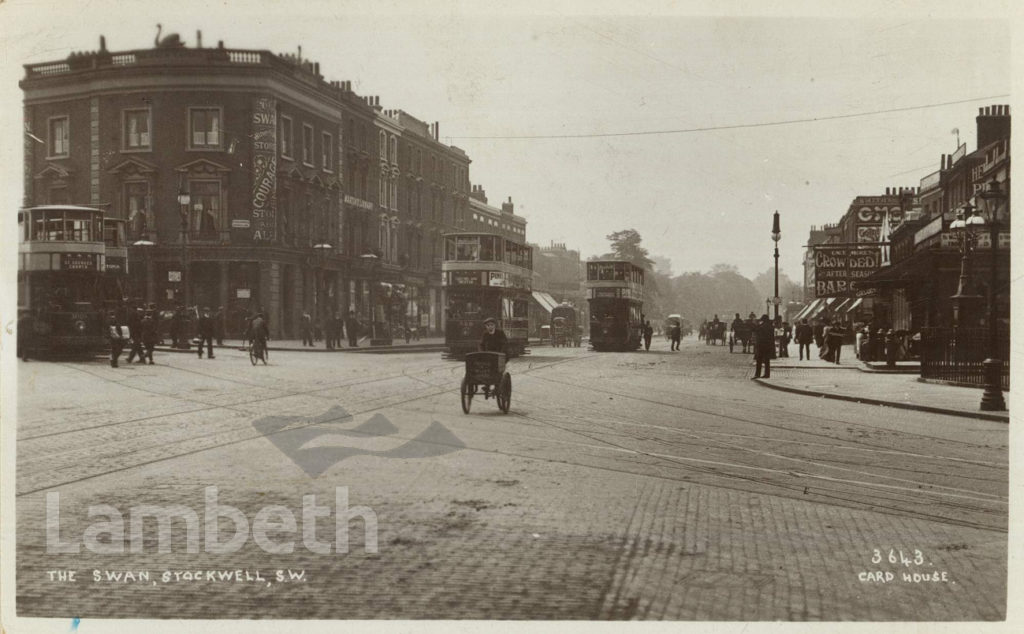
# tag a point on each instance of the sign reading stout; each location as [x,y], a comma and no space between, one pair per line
[264,169]
[839,270]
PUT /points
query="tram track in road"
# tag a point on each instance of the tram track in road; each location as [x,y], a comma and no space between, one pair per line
[249,438]
[206,405]
[890,499]
[810,418]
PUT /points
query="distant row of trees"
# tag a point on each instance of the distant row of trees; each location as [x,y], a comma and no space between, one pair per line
[696,296]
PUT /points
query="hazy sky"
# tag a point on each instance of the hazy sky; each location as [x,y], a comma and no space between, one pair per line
[599,75]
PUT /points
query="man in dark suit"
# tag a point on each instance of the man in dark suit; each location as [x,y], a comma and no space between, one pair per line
[206,332]
[118,335]
[135,328]
[764,347]
[352,329]
[804,337]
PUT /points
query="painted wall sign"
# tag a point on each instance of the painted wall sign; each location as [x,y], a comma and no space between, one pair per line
[264,169]
[839,270]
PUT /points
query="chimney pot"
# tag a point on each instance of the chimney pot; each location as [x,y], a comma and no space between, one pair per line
[199,39]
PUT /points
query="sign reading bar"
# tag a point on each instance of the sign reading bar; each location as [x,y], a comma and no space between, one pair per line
[839,270]
[78,261]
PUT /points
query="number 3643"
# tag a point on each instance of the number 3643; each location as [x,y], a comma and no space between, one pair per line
[896,556]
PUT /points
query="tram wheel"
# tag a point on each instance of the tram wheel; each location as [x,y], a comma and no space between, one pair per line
[467,395]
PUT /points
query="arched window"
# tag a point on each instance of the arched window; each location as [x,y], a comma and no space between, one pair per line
[383,146]
[394,150]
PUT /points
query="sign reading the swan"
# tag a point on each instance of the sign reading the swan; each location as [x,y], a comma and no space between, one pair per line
[838,270]
[264,169]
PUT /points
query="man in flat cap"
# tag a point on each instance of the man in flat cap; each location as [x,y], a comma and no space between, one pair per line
[494,339]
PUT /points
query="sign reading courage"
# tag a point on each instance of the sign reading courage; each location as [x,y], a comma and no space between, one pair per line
[264,169]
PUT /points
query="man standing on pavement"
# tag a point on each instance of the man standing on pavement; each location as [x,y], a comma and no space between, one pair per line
[135,327]
[352,329]
[835,340]
[307,329]
[118,334]
[206,330]
[648,333]
[804,337]
[819,333]
[675,332]
[764,347]
[219,319]
[149,335]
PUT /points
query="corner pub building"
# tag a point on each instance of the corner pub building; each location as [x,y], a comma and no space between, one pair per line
[248,181]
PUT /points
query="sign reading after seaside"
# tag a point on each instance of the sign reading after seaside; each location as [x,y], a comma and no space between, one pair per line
[264,168]
[839,270]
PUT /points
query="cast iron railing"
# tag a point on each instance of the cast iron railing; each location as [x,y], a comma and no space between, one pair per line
[956,354]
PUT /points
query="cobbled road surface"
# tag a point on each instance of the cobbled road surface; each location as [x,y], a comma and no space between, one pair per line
[644,486]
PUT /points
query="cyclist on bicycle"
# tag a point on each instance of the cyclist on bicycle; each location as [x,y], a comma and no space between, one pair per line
[257,331]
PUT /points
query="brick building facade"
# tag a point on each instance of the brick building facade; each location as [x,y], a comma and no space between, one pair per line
[299,193]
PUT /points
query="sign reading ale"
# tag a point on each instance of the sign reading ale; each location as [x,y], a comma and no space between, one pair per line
[838,270]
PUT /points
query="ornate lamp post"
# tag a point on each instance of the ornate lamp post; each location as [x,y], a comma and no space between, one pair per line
[776,234]
[964,228]
[371,260]
[321,250]
[145,245]
[992,200]
[184,199]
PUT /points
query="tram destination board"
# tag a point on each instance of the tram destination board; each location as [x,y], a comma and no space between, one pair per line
[78,261]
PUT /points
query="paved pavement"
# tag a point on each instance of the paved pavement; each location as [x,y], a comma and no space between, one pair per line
[856,381]
[320,346]
[645,486]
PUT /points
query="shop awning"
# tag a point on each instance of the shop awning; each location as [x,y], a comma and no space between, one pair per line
[837,306]
[546,301]
[821,305]
[853,306]
[806,309]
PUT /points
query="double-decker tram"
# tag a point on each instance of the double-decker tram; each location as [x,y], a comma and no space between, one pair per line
[485,275]
[615,291]
[62,284]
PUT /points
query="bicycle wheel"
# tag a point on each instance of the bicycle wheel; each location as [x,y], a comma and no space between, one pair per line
[252,353]
[264,353]
[467,395]
[504,391]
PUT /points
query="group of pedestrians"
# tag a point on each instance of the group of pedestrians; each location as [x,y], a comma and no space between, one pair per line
[138,333]
[336,329]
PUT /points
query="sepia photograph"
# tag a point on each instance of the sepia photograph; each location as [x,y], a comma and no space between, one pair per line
[464,316]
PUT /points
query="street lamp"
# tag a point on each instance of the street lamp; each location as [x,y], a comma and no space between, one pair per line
[371,260]
[776,234]
[184,199]
[991,200]
[963,227]
[145,244]
[321,250]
